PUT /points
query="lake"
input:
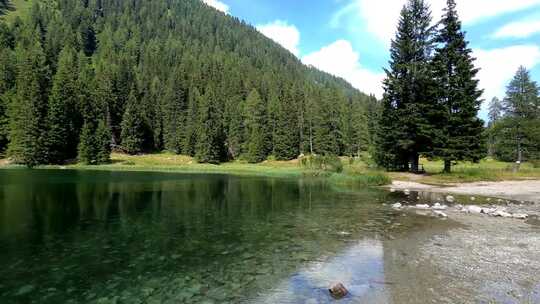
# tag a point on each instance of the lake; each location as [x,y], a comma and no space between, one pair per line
[120,237]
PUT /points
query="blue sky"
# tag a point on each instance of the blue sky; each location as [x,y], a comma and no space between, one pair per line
[350,38]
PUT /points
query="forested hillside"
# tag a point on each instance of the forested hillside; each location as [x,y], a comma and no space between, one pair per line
[78,77]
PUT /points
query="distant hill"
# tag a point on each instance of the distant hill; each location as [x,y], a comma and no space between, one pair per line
[178,75]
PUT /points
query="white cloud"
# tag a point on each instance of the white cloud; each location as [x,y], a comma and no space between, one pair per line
[498,66]
[220,6]
[381,16]
[520,29]
[340,59]
[283,33]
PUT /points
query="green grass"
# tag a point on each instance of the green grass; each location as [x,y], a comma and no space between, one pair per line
[18,8]
[486,170]
[357,174]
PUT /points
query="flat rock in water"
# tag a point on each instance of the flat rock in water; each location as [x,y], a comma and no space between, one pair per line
[419,206]
[474,209]
[520,216]
[440,214]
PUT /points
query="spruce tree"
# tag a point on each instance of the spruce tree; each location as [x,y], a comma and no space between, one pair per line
[405,130]
[517,130]
[63,121]
[458,96]
[7,83]
[255,127]
[209,140]
[285,136]
[103,143]
[174,113]
[326,133]
[87,150]
[192,123]
[134,126]
[28,110]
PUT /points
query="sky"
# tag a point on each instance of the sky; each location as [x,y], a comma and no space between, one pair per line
[351,38]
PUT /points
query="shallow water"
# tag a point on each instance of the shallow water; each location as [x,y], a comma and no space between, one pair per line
[119,237]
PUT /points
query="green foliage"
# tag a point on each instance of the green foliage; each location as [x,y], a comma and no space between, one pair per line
[171,51]
[63,116]
[208,149]
[134,126]
[28,109]
[255,127]
[329,163]
[405,130]
[95,144]
[458,130]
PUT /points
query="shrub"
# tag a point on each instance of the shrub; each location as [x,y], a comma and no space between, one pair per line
[329,163]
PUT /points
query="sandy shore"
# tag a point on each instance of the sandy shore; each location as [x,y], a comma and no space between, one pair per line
[513,190]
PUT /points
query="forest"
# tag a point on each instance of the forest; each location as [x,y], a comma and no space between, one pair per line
[432,99]
[81,78]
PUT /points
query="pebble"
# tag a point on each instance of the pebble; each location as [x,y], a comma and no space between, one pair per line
[440,214]
[450,199]
[407,191]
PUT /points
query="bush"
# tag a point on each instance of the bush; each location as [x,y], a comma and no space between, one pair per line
[329,163]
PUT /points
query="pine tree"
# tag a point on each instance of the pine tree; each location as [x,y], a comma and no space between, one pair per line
[255,124]
[209,142]
[405,130]
[174,113]
[326,133]
[28,110]
[134,126]
[87,145]
[518,128]
[460,129]
[103,143]
[7,83]
[495,110]
[192,122]
[63,119]
[285,136]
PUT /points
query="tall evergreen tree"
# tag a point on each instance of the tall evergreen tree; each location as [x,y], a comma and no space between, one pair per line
[28,110]
[516,132]
[255,127]
[63,119]
[174,113]
[405,128]
[458,96]
[209,139]
[285,136]
[134,126]
[495,110]
[326,132]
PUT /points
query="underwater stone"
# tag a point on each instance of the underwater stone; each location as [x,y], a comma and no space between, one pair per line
[338,291]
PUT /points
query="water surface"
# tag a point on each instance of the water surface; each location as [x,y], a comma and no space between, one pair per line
[120,237]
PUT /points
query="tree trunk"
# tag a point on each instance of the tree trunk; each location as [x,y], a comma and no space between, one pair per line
[415,160]
[447,166]
[519,155]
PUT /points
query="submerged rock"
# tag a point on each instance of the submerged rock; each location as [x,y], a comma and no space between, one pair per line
[520,216]
[338,291]
[438,206]
[440,214]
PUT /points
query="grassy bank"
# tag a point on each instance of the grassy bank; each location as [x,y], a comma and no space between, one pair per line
[356,174]
[486,170]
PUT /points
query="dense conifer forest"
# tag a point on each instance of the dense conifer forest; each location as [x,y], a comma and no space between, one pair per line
[79,78]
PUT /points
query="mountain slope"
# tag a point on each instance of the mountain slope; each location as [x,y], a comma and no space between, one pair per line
[184,69]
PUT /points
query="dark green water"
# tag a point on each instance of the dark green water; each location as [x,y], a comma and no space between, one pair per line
[106,237]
